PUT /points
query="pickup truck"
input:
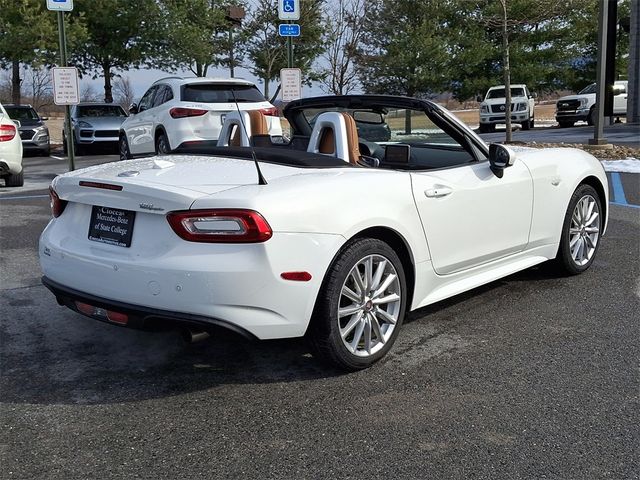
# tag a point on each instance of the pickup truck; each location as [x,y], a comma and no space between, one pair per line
[573,108]
[493,106]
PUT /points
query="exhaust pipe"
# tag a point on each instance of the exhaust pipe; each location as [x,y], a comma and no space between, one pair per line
[193,336]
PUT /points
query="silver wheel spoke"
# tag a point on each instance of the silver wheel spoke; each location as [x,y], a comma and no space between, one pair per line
[376,328]
[574,231]
[357,336]
[350,310]
[378,276]
[355,274]
[592,229]
[592,219]
[589,241]
[393,297]
[351,295]
[368,273]
[573,241]
[367,336]
[387,281]
[388,318]
[351,325]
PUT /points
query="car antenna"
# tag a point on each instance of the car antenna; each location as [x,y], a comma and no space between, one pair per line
[261,179]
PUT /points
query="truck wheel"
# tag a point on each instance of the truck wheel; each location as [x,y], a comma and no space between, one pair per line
[526,125]
[565,124]
[14,180]
[484,128]
[591,119]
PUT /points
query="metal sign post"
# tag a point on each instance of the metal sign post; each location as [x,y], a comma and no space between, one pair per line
[289,10]
[61,6]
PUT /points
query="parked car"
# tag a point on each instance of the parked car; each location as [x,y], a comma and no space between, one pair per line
[492,108]
[329,235]
[10,151]
[33,131]
[94,124]
[581,107]
[176,110]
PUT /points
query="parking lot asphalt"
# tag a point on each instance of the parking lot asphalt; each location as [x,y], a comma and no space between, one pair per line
[532,376]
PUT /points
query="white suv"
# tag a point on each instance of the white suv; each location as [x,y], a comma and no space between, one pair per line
[492,109]
[10,151]
[177,111]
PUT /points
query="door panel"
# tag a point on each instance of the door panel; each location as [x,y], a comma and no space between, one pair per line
[140,126]
[470,216]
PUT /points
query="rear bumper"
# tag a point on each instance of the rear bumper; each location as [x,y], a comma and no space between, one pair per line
[139,318]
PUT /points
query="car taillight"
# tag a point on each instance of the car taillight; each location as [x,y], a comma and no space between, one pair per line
[179,112]
[220,226]
[7,132]
[271,111]
[57,205]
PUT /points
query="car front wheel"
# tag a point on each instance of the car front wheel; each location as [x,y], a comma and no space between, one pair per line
[581,231]
[360,307]
[14,179]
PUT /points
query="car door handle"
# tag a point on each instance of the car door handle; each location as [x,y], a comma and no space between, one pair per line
[438,191]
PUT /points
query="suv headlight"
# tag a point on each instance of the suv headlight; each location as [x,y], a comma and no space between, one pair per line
[584,102]
[83,124]
[484,108]
[521,107]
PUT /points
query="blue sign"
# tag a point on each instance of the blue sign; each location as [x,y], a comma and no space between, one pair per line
[289,30]
[289,9]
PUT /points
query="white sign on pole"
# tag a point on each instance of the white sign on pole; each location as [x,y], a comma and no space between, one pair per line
[60,5]
[65,86]
[289,9]
[291,81]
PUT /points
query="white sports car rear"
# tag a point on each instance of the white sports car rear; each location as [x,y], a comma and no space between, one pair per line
[338,238]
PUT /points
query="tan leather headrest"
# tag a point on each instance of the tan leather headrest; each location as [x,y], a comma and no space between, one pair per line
[352,138]
[258,123]
[327,141]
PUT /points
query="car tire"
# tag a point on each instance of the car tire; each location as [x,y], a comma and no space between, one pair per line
[484,128]
[591,118]
[526,125]
[565,124]
[351,327]
[532,122]
[162,144]
[45,152]
[581,229]
[123,147]
[14,180]
[65,149]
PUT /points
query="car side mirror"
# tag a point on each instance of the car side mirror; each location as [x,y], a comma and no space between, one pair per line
[479,98]
[500,157]
[133,108]
[17,123]
[44,119]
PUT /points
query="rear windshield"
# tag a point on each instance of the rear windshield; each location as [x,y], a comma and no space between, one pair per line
[215,93]
[101,111]
[22,113]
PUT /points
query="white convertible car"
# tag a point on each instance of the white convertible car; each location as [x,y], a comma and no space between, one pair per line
[323,233]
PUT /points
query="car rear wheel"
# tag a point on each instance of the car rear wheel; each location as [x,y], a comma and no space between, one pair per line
[581,231]
[360,307]
[78,149]
[565,124]
[162,145]
[123,147]
[14,180]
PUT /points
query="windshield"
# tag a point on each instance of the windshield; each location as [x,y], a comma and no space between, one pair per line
[101,111]
[588,89]
[500,93]
[21,113]
[216,93]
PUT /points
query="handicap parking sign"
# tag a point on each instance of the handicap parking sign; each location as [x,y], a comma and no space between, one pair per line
[289,9]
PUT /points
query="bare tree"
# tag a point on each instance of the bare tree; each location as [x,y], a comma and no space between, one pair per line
[88,93]
[123,91]
[345,27]
[39,85]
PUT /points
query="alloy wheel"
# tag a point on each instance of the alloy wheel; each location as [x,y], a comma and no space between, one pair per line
[584,231]
[369,306]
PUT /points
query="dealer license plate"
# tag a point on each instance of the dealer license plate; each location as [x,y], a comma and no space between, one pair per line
[111,225]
